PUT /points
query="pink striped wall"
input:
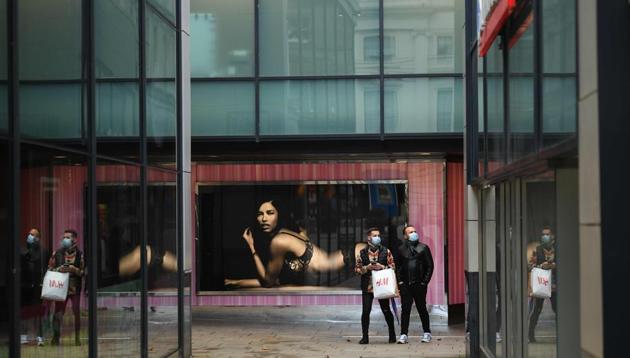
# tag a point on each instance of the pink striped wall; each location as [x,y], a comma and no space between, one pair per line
[455,231]
[426,211]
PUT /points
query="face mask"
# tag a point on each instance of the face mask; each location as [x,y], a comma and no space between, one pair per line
[545,239]
[30,239]
[66,243]
[376,240]
[413,237]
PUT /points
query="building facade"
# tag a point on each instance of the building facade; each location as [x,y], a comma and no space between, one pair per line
[94,144]
[542,99]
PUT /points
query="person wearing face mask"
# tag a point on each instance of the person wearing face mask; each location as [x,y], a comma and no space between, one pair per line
[415,268]
[545,258]
[33,270]
[68,259]
[374,257]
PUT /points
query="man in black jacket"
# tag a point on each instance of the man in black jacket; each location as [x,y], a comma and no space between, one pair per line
[415,267]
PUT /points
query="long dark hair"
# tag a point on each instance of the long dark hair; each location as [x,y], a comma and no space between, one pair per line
[286,219]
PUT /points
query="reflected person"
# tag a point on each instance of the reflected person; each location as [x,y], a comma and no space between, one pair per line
[33,270]
[545,258]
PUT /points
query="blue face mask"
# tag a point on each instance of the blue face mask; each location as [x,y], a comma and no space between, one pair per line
[30,239]
[545,239]
[376,240]
[66,243]
[413,237]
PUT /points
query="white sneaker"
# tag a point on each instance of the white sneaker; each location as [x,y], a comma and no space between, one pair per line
[403,339]
[40,341]
[499,338]
[426,338]
[23,338]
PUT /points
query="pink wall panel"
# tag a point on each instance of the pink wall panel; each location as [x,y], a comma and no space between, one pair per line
[68,201]
[455,214]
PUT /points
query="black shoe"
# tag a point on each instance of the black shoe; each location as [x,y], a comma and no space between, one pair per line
[392,339]
[54,341]
[364,340]
[532,338]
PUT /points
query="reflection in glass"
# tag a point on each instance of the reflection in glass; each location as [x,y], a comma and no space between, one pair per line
[481,145]
[305,37]
[318,107]
[161,110]
[116,38]
[521,96]
[494,110]
[3,41]
[50,39]
[559,108]
[51,111]
[421,105]
[222,108]
[426,36]
[53,238]
[559,100]
[166,7]
[160,47]
[5,216]
[117,110]
[161,256]
[539,231]
[221,38]
[118,223]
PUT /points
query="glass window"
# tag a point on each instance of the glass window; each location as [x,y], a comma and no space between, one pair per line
[53,211]
[162,259]
[50,39]
[119,286]
[3,40]
[559,100]
[221,38]
[160,47]
[304,37]
[5,214]
[166,7]
[495,108]
[116,38]
[222,108]
[51,111]
[521,96]
[424,105]
[161,99]
[428,36]
[117,120]
[4,109]
[317,107]
[481,145]
[539,231]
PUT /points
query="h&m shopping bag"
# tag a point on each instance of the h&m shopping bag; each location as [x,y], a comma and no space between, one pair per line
[55,286]
[384,284]
[541,283]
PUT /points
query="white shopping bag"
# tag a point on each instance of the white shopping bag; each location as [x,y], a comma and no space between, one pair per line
[541,283]
[384,284]
[55,286]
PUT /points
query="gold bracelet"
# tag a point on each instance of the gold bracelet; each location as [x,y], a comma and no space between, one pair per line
[254,253]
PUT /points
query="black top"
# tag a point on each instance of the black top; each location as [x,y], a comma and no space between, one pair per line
[415,263]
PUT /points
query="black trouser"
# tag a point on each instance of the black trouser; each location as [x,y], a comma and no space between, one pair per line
[537,304]
[60,309]
[408,294]
[368,298]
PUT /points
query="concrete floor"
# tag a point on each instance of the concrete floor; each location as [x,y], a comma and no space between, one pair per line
[312,331]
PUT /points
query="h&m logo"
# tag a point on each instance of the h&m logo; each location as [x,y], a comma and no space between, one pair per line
[55,284]
[382,281]
[543,281]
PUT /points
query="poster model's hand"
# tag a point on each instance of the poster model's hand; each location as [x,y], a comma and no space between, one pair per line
[249,238]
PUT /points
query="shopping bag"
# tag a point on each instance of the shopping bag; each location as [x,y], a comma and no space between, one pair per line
[384,284]
[541,283]
[55,286]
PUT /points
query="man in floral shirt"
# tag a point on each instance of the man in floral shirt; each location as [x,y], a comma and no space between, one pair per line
[373,258]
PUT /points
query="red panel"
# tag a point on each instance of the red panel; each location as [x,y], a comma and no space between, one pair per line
[494,23]
[455,215]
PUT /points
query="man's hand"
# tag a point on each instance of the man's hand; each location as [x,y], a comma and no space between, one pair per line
[546,265]
[375,267]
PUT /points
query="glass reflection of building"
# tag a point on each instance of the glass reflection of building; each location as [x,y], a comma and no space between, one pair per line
[89,143]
